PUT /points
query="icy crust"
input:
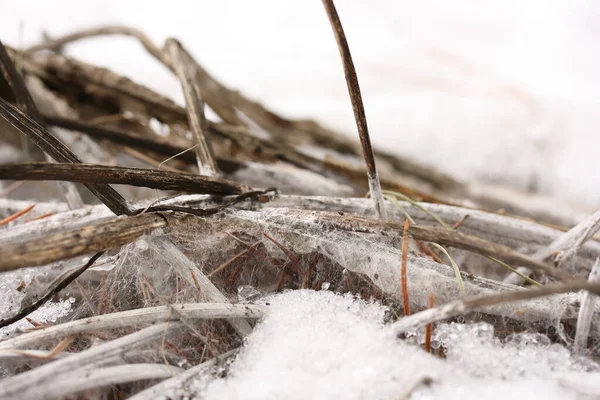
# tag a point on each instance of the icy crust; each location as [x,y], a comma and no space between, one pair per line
[378,256]
[13,289]
[318,345]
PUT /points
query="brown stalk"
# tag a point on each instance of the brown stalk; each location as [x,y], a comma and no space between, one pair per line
[403,271]
[357,107]
[59,42]
[428,251]
[16,215]
[29,252]
[429,327]
[41,217]
[59,348]
[222,100]
[460,222]
[60,153]
[228,262]
[26,104]
[95,174]
[184,67]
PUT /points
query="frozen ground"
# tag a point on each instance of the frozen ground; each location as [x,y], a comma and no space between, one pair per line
[500,91]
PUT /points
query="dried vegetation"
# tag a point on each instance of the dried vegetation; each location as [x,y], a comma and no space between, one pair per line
[163,280]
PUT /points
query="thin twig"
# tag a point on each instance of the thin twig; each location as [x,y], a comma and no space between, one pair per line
[184,66]
[586,312]
[357,107]
[459,222]
[10,188]
[403,271]
[60,153]
[16,215]
[32,384]
[46,215]
[27,105]
[464,306]
[136,317]
[228,262]
[159,389]
[99,31]
[429,327]
[47,356]
[428,251]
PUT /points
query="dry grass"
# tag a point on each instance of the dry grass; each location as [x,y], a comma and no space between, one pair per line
[161,297]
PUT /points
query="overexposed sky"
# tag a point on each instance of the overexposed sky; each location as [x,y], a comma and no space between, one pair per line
[504,90]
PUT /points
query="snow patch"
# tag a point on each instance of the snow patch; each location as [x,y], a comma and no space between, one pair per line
[318,345]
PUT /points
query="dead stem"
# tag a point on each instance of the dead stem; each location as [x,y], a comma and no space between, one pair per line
[460,307]
[96,174]
[403,274]
[357,107]
[16,215]
[429,327]
[59,152]
[184,66]
[100,31]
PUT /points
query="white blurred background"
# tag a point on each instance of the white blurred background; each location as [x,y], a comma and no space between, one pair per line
[504,91]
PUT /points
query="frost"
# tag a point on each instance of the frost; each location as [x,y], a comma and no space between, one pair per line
[247,293]
[12,290]
[48,313]
[141,245]
[474,348]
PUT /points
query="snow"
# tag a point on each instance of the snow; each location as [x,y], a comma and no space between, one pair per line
[318,345]
[502,91]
